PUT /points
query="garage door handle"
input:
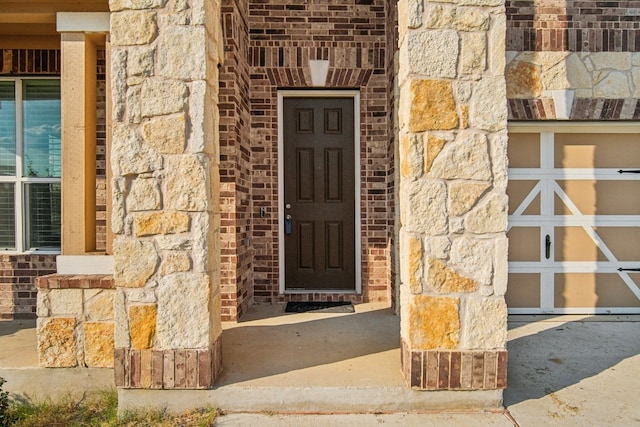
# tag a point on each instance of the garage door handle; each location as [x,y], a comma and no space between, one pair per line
[629,269]
[547,248]
[629,171]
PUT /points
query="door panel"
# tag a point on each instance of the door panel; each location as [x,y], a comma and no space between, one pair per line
[319,194]
[574,223]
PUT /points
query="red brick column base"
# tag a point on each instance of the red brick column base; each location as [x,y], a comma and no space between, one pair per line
[168,369]
[454,369]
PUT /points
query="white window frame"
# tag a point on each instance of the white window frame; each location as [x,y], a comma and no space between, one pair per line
[19,180]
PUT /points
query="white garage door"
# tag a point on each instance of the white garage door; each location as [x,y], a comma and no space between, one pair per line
[574,220]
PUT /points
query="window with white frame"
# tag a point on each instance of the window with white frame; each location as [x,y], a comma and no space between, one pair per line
[30,164]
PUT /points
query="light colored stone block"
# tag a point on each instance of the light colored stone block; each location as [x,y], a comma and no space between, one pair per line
[471,19]
[43,305]
[488,105]
[464,195]
[135,262]
[431,106]
[142,325]
[466,158]
[439,15]
[118,5]
[183,321]
[140,61]
[500,266]
[98,344]
[133,28]
[183,52]
[160,97]
[433,53]
[411,155]
[523,80]
[473,258]
[144,195]
[438,247]
[175,262]
[490,216]
[129,156]
[433,146]
[167,134]
[473,59]
[166,222]
[411,259]
[99,304]
[484,324]
[67,302]
[612,85]
[620,61]
[443,279]
[433,322]
[57,342]
[186,183]
[415,11]
[426,210]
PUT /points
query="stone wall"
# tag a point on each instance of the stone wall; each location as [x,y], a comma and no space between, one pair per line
[606,85]
[165,192]
[75,321]
[588,47]
[453,203]
[283,37]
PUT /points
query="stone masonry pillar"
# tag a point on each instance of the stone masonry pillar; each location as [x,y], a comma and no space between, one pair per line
[164,159]
[453,203]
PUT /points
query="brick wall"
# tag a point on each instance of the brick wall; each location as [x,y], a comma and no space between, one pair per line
[235,165]
[17,272]
[17,290]
[101,156]
[283,36]
[576,26]
[392,47]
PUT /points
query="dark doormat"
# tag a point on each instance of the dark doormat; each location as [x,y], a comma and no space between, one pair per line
[322,307]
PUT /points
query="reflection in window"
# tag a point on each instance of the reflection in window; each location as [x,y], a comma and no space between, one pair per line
[41,133]
[30,168]
[7,128]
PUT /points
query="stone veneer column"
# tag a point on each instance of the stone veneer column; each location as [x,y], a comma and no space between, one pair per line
[164,157]
[453,203]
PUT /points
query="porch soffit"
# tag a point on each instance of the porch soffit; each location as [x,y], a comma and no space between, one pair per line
[38,18]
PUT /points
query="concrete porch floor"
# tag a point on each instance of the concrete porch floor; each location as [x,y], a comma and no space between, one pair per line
[563,370]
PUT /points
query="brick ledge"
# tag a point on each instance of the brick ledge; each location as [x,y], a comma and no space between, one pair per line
[454,369]
[75,281]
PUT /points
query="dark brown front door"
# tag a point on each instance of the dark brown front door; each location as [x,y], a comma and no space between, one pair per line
[319,194]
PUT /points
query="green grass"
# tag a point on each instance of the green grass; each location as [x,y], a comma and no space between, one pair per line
[99,409]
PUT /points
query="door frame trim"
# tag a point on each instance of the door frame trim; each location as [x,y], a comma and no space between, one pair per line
[355,94]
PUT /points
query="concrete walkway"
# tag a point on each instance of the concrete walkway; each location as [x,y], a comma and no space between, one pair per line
[564,370]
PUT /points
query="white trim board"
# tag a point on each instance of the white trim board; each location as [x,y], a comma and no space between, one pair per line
[279,211]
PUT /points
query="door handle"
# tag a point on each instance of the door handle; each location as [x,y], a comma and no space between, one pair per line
[547,247]
[629,171]
[288,224]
